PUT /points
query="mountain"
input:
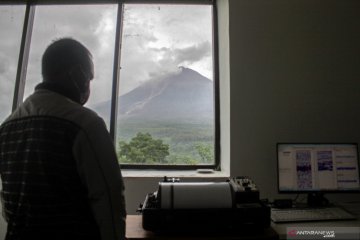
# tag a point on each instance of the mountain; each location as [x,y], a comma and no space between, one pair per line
[184,95]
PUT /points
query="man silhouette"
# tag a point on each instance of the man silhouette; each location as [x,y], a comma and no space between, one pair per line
[59,171]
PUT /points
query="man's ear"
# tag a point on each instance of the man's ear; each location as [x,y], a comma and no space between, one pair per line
[78,78]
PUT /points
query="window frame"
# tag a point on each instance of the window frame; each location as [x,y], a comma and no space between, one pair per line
[25,49]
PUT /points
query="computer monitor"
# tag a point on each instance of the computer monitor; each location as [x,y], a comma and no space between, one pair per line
[318,168]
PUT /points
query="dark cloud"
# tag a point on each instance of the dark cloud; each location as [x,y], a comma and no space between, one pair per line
[161,38]
[170,59]
[156,41]
[193,54]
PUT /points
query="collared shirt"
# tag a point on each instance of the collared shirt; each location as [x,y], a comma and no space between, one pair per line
[59,172]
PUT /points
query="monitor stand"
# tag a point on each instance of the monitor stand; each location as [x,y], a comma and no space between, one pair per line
[317,200]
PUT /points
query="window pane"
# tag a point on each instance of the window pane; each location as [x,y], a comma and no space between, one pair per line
[92,25]
[166,103]
[11,24]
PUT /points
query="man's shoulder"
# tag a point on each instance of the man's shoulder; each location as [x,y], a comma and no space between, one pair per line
[84,117]
[49,104]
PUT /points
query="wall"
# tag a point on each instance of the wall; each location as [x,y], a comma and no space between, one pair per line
[295,76]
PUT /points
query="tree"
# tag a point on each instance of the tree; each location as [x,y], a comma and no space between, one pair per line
[143,148]
[182,159]
[205,151]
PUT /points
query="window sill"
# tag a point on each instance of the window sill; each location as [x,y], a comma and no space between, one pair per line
[153,173]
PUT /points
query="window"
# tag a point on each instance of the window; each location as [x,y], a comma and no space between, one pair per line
[11,26]
[166,85]
[155,79]
[92,25]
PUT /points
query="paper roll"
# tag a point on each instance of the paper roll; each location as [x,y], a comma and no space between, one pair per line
[195,195]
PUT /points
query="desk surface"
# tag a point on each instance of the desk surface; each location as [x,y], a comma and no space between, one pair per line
[282,228]
[134,231]
[353,207]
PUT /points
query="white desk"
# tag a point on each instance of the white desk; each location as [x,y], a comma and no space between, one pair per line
[281,228]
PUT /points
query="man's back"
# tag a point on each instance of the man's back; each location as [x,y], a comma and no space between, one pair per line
[42,193]
[60,174]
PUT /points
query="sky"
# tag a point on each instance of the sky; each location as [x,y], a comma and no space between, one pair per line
[11,20]
[156,41]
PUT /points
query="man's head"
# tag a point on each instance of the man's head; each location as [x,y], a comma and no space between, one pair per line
[68,63]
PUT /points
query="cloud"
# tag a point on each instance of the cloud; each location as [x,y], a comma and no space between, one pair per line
[170,59]
[194,53]
[187,55]
[92,25]
[157,39]
[4,64]
[11,20]
[160,38]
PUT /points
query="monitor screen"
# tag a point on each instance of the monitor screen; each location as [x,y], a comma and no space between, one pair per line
[318,167]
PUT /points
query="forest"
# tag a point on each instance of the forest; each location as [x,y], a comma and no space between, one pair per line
[165,142]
